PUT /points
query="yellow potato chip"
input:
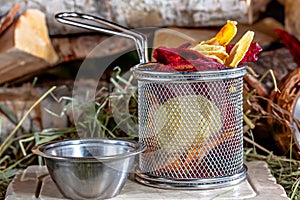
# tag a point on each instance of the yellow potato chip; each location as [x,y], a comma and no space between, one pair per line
[208,47]
[216,54]
[225,35]
[213,51]
[239,50]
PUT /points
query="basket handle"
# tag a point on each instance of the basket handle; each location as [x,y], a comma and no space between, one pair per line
[139,39]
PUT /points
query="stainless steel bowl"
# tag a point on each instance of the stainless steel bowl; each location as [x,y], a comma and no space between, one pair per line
[89,168]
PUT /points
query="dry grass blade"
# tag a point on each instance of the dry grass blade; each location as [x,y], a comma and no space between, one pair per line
[3,146]
[286,171]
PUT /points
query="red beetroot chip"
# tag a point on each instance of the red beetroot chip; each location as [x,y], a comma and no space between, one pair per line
[183,59]
[291,43]
[172,55]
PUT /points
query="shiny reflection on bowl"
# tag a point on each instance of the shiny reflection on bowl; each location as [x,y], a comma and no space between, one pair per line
[89,168]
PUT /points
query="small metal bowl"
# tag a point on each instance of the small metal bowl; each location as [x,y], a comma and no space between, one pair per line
[89,168]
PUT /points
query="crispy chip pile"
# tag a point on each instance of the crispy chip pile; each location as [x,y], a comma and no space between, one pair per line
[217,53]
[183,59]
[216,46]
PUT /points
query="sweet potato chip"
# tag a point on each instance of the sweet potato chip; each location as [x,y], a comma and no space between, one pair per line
[220,56]
[208,47]
[251,55]
[239,50]
[225,35]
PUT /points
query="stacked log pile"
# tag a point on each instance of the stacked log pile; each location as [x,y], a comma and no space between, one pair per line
[29,32]
[145,13]
[27,50]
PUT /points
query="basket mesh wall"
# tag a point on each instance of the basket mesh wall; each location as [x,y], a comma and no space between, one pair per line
[191,128]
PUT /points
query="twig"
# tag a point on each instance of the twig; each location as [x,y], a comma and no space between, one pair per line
[258,145]
[248,122]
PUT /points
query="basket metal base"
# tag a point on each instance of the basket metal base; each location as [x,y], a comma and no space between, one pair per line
[202,183]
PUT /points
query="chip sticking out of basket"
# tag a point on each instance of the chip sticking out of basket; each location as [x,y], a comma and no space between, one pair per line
[212,54]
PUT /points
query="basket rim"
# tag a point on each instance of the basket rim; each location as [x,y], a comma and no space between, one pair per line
[145,72]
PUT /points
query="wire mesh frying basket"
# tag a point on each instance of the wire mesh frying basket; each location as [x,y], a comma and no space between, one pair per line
[191,124]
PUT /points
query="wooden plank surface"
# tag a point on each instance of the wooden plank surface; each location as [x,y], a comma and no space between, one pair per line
[260,185]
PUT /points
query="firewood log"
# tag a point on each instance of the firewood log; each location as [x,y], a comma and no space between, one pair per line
[292,16]
[150,13]
[29,34]
[27,50]
[25,46]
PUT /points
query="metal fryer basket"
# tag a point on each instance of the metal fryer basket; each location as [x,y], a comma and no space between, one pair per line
[191,124]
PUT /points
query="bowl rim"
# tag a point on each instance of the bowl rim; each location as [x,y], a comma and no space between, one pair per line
[137,148]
